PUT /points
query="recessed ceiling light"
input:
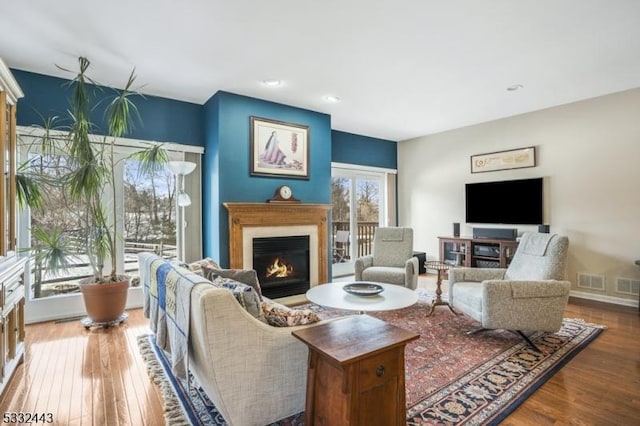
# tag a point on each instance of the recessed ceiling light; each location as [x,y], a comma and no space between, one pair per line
[514,87]
[272,82]
[332,98]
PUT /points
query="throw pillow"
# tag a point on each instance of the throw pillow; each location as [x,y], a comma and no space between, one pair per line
[198,265]
[281,316]
[245,276]
[244,294]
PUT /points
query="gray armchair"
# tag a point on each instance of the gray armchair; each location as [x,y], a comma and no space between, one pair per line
[392,259]
[531,294]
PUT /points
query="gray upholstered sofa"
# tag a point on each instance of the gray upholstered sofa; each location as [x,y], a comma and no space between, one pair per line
[392,259]
[531,294]
[253,372]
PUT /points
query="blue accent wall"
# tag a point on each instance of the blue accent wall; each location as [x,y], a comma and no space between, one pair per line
[162,119]
[211,204]
[227,150]
[222,126]
[363,150]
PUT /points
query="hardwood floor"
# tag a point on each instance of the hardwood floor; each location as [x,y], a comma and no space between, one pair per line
[97,377]
[82,377]
[601,385]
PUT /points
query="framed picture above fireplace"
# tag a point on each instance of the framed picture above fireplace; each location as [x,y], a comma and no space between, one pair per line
[279,149]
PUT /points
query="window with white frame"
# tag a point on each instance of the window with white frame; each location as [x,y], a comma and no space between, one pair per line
[146,204]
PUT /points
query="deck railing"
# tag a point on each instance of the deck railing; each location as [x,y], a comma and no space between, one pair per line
[67,281]
[365,237]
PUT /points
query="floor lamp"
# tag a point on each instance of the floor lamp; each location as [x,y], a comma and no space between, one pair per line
[180,169]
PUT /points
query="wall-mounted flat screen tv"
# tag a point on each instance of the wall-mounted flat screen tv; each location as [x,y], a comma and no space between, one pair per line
[513,202]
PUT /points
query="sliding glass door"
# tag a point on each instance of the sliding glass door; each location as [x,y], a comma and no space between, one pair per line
[359,206]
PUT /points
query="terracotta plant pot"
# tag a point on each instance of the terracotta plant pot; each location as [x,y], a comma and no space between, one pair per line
[105,302]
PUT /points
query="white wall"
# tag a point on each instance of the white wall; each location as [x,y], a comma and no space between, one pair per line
[589,154]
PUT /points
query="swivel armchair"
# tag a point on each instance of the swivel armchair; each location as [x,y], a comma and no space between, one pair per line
[391,260]
[530,295]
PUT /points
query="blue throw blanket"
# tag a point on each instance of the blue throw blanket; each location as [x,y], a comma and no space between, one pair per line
[167,303]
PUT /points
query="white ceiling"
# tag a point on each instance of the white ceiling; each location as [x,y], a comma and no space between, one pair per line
[402,68]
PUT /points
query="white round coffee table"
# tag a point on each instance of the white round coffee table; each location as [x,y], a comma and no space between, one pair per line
[332,295]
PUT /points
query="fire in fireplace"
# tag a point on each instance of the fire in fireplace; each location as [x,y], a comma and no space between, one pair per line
[279,269]
[282,265]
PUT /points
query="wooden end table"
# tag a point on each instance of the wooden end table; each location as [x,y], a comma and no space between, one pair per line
[355,372]
[440,267]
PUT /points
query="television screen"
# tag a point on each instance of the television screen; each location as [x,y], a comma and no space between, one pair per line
[513,202]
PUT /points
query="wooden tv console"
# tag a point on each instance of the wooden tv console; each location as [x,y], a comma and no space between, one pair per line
[464,251]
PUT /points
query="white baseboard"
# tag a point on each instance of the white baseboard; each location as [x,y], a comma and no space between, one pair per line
[604,298]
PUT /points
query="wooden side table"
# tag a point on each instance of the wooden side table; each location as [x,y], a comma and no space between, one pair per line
[355,372]
[440,267]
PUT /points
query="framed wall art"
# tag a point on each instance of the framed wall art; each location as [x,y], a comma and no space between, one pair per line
[279,149]
[504,160]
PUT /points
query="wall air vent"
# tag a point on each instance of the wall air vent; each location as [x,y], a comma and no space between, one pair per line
[627,286]
[591,281]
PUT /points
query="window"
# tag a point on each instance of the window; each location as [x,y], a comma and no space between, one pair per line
[146,204]
[149,214]
[58,219]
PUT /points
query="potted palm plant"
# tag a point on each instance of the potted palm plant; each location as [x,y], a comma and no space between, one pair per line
[88,172]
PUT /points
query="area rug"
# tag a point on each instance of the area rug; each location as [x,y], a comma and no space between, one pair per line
[451,377]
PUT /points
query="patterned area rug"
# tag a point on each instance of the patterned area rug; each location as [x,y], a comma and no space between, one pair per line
[451,377]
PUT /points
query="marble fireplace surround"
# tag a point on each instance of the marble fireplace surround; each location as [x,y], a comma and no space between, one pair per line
[256,220]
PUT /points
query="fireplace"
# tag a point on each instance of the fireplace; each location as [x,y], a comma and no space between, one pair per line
[251,221]
[282,265]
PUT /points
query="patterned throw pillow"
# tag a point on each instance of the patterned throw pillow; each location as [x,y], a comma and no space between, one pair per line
[244,294]
[281,316]
[245,276]
[198,266]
